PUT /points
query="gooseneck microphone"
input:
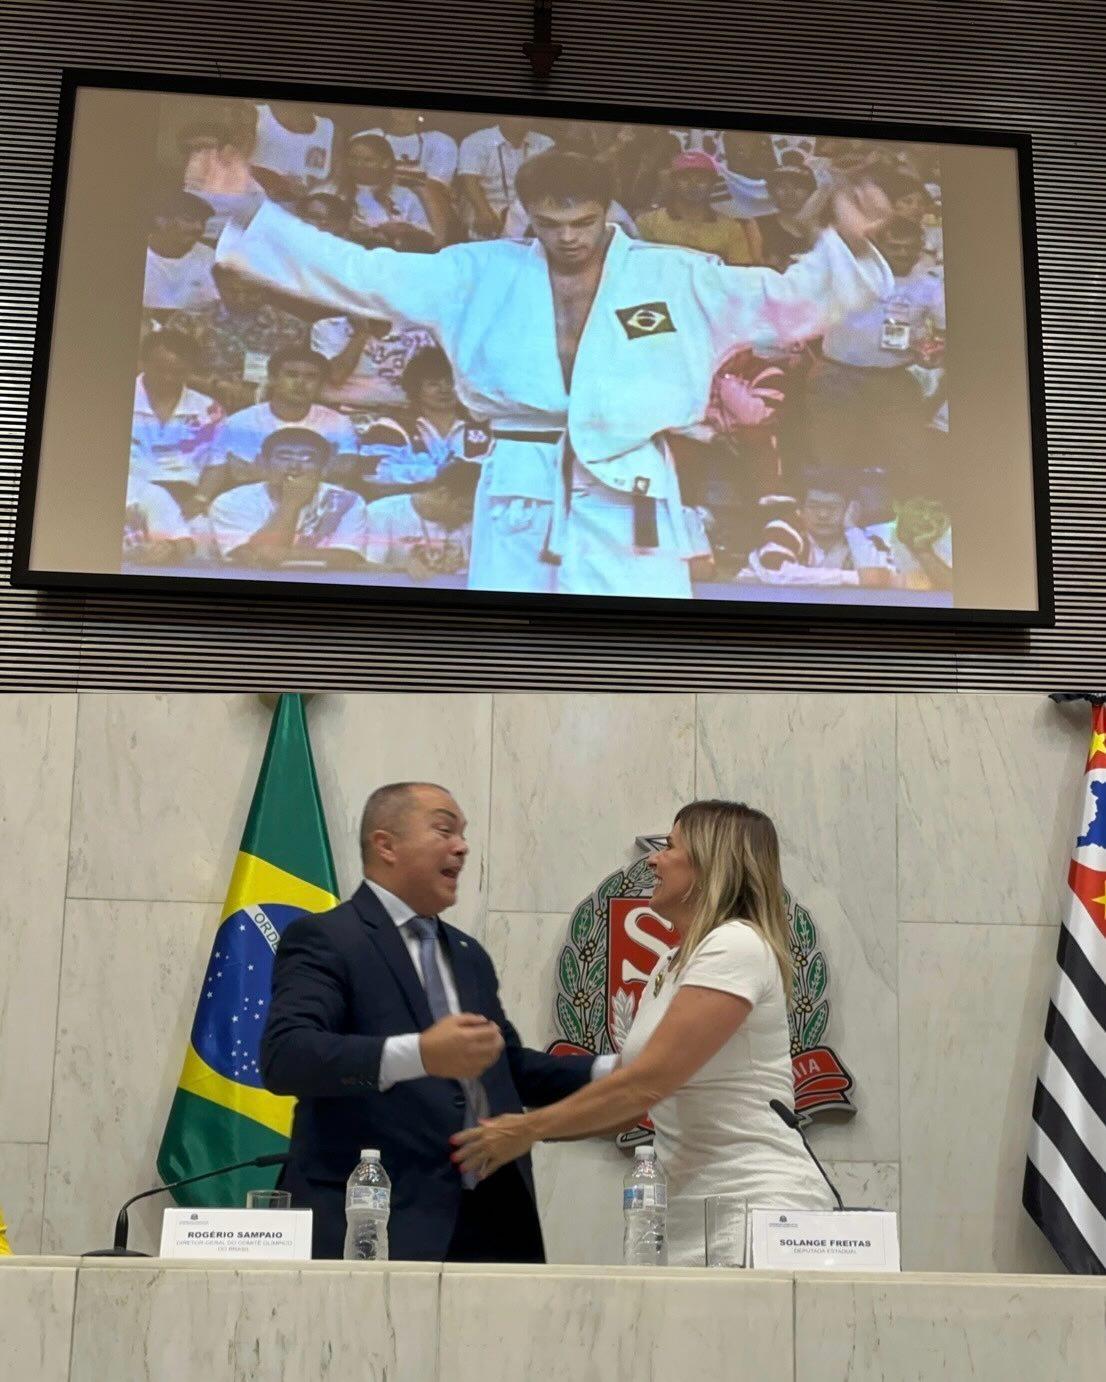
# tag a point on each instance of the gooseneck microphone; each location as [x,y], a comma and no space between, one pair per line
[793,1121]
[122,1228]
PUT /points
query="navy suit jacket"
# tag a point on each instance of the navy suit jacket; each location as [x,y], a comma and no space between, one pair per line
[343,981]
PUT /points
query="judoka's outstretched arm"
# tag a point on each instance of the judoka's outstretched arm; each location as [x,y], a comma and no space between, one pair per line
[278,249]
[843,273]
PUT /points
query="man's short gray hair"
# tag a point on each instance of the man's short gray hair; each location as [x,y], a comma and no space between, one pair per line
[386,809]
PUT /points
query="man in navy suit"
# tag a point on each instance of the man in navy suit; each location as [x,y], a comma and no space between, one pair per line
[385,1024]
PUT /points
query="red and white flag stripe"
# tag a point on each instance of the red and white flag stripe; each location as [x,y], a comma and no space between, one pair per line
[1065,1173]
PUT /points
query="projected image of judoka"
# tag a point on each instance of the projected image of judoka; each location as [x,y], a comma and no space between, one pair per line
[581,350]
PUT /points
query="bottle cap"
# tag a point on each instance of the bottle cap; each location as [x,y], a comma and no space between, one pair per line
[647,1153]
[370,1154]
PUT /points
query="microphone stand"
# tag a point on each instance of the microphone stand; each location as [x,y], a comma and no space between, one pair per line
[122,1228]
[792,1120]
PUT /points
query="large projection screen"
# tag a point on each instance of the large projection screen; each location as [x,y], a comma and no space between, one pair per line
[419,349]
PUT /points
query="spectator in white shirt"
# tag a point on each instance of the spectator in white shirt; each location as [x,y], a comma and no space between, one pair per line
[293,149]
[237,338]
[911,198]
[426,160]
[487,167]
[296,377]
[326,210]
[421,153]
[154,529]
[178,265]
[173,427]
[366,358]
[810,544]
[876,338]
[290,516]
[411,446]
[870,401]
[385,212]
[427,533]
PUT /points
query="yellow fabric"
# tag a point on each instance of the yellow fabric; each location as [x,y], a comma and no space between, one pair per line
[254,880]
[5,1246]
[271,1110]
[737,242]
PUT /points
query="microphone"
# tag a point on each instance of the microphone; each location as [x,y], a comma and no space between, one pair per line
[792,1120]
[122,1228]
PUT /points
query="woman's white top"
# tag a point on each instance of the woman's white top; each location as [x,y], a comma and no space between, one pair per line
[716,1135]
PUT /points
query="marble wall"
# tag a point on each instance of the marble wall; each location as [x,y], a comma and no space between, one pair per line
[928,836]
[421,1322]
[180,1322]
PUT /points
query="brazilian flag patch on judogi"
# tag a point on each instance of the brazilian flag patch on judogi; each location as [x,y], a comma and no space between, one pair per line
[646,319]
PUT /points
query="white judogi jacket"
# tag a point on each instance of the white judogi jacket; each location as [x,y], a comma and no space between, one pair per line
[664,318]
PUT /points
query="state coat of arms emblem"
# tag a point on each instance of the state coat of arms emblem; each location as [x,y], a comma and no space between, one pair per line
[614,945]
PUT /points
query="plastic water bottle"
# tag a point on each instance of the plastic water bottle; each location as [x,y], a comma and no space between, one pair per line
[368,1203]
[645,1211]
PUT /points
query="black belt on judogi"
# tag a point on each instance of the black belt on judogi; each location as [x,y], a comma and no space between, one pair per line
[510,434]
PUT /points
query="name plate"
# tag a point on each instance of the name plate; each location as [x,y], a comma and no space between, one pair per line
[237,1235]
[849,1240]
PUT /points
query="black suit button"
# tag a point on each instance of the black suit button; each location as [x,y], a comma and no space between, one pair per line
[458,1101]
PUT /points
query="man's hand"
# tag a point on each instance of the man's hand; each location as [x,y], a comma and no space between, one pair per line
[461,1046]
[298,490]
[860,209]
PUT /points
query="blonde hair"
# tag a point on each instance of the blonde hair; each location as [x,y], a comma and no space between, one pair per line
[735,853]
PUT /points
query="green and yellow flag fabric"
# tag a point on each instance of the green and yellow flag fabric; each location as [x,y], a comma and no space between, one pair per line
[221,1113]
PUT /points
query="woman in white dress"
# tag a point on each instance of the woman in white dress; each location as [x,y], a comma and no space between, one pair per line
[709,1046]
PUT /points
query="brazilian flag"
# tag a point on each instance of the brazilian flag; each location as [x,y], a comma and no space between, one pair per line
[221,1113]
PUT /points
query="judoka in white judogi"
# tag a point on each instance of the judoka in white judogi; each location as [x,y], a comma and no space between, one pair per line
[662,320]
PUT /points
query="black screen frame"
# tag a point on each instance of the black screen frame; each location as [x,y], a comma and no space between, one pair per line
[452,602]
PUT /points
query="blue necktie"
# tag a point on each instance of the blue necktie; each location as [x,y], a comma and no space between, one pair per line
[425,931]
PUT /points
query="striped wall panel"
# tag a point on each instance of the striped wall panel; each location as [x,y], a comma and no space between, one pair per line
[974,62]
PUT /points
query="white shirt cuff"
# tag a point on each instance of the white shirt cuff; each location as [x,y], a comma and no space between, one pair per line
[600,1066]
[400,1059]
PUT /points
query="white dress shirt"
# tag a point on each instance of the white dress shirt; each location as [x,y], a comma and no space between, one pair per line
[180,447]
[373,208]
[490,156]
[184,284]
[433,152]
[401,1058]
